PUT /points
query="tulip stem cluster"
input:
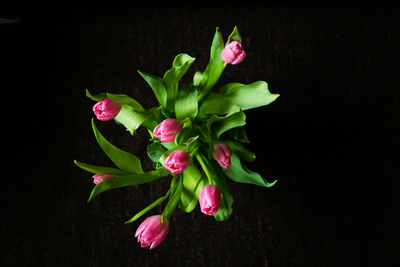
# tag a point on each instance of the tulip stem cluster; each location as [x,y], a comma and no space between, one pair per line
[189,122]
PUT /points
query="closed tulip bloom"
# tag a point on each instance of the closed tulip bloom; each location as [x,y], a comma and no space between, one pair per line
[177,161]
[100,177]
[210,199]
[233,53]
[152,231]
[222,153]
[167,130]
[106,109]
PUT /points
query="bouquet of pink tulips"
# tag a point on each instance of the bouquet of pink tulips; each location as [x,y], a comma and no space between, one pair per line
[196,136]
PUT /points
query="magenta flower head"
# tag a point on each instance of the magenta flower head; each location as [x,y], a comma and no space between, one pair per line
[167,130]
[106,109]
[233,53]
[152,231]
[177,161]
[222,153]
[100,177]
[210,199]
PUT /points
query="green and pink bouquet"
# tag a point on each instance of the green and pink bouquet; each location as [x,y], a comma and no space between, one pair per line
[196,136]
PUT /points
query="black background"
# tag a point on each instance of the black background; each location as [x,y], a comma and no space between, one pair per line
[331,138]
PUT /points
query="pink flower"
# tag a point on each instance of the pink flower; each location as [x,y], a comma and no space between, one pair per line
[233,53]
[210,199]
[222,153]
[177,161]
[100,177]
[106,109]
[152,231]
[167,130]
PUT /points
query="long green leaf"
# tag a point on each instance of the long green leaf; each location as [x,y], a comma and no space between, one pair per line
[186,105]
[193,183]
[172,77]
[219,125]
[98,97]
[235,97]
[122,159]
[241,174]
[131,118]
[126,100]
[156,83]
[98,169]
[240,150]
[207,79]
[127,180]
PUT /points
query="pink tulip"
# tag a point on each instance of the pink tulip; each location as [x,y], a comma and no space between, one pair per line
[233,53]
[106,109]
[222,153]
[167,130]
[177,161]
[100,177]
[210,199]
[152,231]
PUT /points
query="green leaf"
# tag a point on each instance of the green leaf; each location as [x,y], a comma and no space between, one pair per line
[234,36]
[235,97]
[193,183]
[238,134]
[219,125]
[155,151]
[7,21]
[98,97]
[239,173]
[98,169]
[175,197]
[240,150]
[131,118]
[156,83]
[225,208]
[122,159]
[126,100]
[127,180]
[148,208]
[186,103]
[172,77]
[207,79]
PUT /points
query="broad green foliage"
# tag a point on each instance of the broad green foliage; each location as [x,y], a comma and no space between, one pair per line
[241,174]
[208,115]
[128,180]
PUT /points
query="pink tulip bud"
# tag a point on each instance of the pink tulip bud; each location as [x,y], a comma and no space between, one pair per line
[106,109]
[177,161]
[167,130]
[152,231]
[222,153]
[98,178]
[233,53]
[210,199]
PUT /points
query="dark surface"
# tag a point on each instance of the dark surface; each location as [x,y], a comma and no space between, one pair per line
[331,138]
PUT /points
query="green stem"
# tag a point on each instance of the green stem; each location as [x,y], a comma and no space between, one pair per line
[202,132]
[205,167]
[174,198]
